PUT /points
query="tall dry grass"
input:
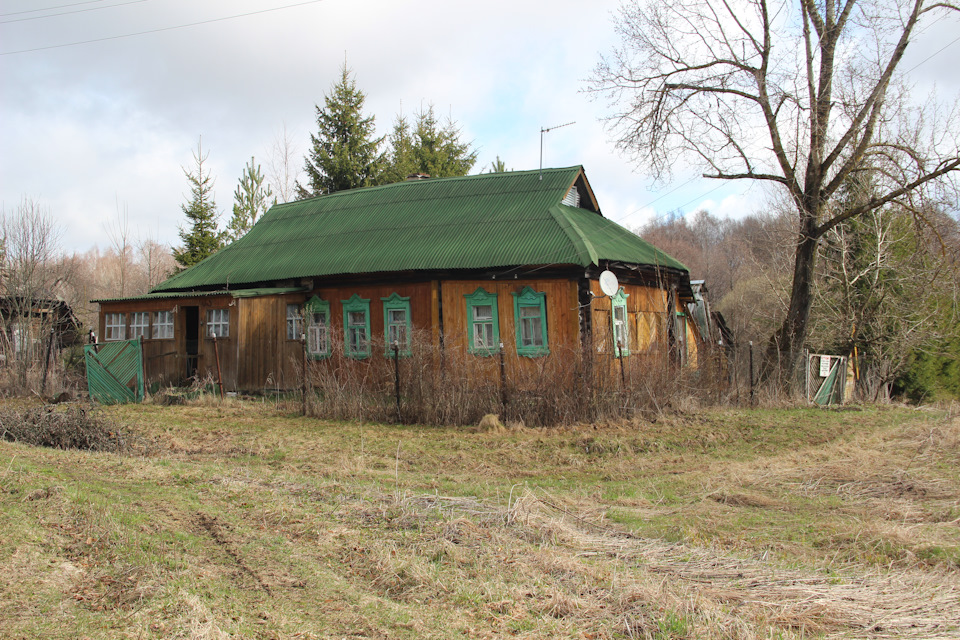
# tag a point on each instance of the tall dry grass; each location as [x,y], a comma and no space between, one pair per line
[453,387]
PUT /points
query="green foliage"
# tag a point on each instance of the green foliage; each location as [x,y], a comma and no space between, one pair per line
[933,374]
[882,295]
[202,239]
[343,154]
[251,200]
[498,166]
[427,147]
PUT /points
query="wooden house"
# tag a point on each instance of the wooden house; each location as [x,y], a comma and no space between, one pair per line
[466,263]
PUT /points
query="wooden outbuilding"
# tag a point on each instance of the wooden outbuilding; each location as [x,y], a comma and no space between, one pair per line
[467,264]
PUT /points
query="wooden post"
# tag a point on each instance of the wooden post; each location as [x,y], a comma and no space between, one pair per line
[306,387]
[623,377]
[751,373]
[46,363]
[396,375]
[216,353]
[503,380]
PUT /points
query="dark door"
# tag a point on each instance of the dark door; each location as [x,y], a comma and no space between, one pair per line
[191,333]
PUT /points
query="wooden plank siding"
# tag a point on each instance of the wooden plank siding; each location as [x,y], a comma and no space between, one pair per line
[257,354]
[563,320]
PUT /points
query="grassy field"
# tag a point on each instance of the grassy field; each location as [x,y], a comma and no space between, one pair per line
[239,520]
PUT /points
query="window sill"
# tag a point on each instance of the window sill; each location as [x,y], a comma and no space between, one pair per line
[539,352]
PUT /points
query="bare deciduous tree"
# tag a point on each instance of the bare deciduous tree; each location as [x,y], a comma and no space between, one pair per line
[799,95]
[31,270]
[282,167]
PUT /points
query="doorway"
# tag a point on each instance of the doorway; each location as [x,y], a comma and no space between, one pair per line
[191,334]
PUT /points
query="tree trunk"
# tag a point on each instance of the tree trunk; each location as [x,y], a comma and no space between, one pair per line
[786,346]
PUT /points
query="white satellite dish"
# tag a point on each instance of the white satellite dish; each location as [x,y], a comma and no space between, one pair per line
[609,283]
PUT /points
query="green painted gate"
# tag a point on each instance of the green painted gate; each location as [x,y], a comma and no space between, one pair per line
[115,371]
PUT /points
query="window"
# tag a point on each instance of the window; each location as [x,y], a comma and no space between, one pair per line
[318,328]
[115,326]
[483,327]
[218,323]
[530,317]
[162,325]
[356,327]
[396,324]
[621,328]
[294,322]
[139,325]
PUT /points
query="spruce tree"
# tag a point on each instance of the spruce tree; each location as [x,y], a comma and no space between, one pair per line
[202,239]
[428,147]
[252,198]
[400,160]
[343,154]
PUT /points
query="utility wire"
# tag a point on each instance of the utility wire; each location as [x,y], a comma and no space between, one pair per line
[66,13]
[162,29]
[59,6]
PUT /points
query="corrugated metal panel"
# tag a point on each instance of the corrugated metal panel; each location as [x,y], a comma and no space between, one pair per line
[115,371]
[488,220]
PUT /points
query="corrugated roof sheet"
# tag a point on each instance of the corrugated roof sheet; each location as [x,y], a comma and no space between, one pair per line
[482,221]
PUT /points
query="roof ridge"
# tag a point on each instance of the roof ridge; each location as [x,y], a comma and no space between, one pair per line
[474,176]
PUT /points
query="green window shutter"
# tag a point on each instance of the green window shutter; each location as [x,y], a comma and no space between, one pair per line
[621,326]
[318,328]
[396,324]
[483,324]
[356,327]
[530,320]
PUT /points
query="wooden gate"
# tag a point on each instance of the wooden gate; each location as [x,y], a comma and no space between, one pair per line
[115,371]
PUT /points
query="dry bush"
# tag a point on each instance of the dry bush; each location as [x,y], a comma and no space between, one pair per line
[456,388]
[62,427]
[62,377]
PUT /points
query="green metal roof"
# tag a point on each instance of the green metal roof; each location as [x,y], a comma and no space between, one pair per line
[482,221]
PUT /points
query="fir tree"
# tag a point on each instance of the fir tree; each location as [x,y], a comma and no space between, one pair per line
[251,200]
[202,239]
[400,161]
[429,148]
[343,154]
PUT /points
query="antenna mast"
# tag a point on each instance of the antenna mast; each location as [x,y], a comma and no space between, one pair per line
[543,131]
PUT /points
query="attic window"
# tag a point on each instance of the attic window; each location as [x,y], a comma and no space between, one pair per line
[572,198]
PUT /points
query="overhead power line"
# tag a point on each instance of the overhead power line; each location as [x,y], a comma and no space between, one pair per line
[59,6]
[161,29]
[67,13]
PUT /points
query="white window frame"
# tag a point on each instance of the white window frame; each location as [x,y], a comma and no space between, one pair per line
[114,326]
[294,321]
[162,325]
[317,312]
[218,322]
[139,324]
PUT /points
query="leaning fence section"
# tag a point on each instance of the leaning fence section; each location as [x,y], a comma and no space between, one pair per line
[115,371]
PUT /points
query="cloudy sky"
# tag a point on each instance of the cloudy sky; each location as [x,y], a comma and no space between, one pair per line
[94,129]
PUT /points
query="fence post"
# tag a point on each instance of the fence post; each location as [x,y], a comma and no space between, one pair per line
[216,353]
[303,399]
[623,377]
[751,373]
[396,375]
[46,363]
[503,381]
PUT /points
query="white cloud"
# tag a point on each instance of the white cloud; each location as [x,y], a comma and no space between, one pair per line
[84,127]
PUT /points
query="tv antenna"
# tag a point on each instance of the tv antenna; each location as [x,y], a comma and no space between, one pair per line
[543,131]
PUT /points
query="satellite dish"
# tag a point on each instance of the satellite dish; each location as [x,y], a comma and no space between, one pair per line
[609,283]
